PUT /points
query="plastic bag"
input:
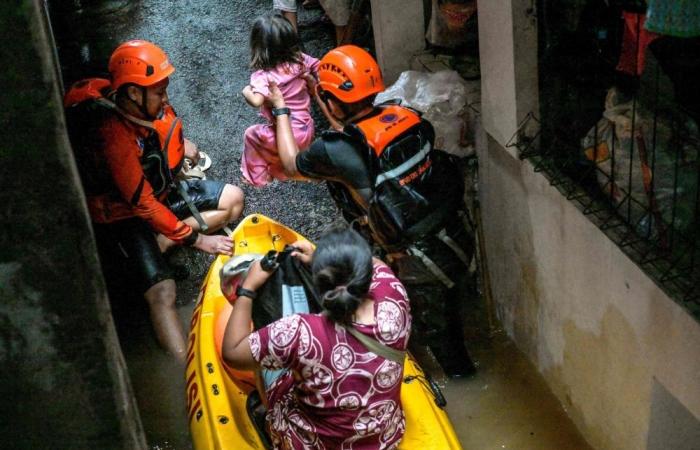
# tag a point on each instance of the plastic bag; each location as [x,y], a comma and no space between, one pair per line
[646,166]
[442,99]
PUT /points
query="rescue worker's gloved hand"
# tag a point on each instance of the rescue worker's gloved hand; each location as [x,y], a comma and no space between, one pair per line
[311,83]
[216,244]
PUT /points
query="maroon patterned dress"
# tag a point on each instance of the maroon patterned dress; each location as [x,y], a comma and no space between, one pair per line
[336,393]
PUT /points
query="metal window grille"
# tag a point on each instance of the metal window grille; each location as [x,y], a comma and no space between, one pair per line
[623,146]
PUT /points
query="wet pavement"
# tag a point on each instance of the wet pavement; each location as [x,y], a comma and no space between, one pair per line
[506,405]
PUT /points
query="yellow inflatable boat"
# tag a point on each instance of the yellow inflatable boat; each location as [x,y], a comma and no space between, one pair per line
[216,394]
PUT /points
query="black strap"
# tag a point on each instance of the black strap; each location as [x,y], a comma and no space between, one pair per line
[241,291]
[182,186]
[182,190]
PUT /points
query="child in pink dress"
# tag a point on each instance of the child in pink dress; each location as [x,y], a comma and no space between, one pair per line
[275,56]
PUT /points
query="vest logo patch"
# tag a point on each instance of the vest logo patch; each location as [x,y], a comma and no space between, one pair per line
[388,118]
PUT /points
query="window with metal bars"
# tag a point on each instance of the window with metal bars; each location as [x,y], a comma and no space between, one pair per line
[617,131]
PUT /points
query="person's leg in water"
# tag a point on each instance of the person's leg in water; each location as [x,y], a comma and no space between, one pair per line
[165,319]
[339,13]
[437,323]
[436,313]
[133,243]
[218,203]
[288,8]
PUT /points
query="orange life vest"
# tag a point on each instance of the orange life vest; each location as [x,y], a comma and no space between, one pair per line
[168,127]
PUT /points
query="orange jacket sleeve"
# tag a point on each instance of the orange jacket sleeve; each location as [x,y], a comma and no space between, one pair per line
[122,154]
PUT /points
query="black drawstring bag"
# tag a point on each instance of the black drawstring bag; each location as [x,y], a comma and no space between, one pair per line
[289,290]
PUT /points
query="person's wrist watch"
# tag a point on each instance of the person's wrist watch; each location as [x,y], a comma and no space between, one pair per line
[280,111]
[241,291]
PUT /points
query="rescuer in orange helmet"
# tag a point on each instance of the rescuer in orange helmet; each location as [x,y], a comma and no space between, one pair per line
[399,191]
[130,151]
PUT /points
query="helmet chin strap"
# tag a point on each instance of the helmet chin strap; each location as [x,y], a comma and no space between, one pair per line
[144,103]
[143,106]
[348,117]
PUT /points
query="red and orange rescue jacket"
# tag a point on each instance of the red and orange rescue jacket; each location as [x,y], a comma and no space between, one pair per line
[127,164]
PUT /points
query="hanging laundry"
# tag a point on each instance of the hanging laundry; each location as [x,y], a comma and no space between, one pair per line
[635,40]
[679,18]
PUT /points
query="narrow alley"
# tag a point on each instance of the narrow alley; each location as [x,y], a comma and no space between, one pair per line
[584,322]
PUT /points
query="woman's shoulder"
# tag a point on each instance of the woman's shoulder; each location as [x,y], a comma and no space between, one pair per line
[385,284]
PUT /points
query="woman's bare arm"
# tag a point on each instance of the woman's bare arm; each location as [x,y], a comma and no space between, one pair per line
[236,348]
[287,148]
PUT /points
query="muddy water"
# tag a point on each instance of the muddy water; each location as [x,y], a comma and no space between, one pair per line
[158,383]
[507,404]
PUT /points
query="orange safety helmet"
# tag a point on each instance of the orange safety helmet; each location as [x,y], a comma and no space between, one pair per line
[139,62]
[350,74]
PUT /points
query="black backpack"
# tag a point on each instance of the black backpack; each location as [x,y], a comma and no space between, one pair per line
[416,188]
[289,289]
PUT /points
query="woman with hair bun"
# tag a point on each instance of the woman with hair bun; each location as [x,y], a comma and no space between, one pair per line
[336,392]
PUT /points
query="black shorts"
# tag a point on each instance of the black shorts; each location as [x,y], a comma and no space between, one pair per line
[133,241]
[205,195]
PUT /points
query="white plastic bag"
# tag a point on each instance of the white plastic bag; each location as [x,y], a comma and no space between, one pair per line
[442,99]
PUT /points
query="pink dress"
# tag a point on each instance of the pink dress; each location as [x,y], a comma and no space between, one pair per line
[260,162]
[336,393]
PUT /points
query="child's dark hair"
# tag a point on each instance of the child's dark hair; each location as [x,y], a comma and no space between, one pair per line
[342,272]
[273,41]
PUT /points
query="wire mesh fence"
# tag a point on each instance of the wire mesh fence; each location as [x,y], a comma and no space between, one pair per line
[618,133]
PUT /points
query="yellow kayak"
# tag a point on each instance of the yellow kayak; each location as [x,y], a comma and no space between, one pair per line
[216,394]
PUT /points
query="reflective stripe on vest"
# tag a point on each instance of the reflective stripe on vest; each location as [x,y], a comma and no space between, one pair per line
[405,166]
[442,235]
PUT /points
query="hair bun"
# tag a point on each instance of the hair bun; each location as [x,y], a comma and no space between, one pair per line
[340,304]
[342,272]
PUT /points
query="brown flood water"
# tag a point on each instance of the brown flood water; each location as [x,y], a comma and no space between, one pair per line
[506,405]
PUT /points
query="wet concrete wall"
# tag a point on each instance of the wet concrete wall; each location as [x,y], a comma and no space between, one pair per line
[619,354]
[599,330]
[63,381]
[399,33]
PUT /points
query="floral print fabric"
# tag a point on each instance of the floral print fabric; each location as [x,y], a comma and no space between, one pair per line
[337,394]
